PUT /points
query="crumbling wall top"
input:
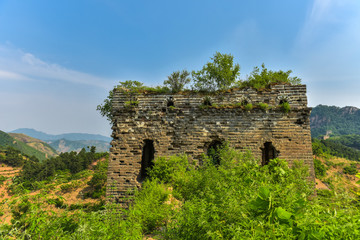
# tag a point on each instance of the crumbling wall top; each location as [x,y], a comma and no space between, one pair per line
[275,95]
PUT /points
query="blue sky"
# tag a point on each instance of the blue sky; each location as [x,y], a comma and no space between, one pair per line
[59,59]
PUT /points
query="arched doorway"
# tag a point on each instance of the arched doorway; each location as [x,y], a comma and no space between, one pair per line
[147,160]
[268,152]
[214,150]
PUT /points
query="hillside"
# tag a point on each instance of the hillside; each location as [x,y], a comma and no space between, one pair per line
[64,145]
[35,143]
[64,192]
[338,174]
[340,121]
[7,140]
[237,199]
[69,136]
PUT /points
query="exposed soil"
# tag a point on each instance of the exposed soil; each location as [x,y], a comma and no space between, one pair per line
[74,195]
[335,177]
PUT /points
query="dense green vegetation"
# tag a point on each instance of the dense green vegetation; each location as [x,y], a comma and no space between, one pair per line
[334,148]
[98,181]
[177,81]
[340,121]
[217,75]
[7,140]
[237,199]
[352,140]
[34,171]
[263,79]
[12,157]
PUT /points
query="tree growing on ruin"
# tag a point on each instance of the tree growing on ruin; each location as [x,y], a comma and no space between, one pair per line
[177,80]
[262,79]
[130,87]
[219,74]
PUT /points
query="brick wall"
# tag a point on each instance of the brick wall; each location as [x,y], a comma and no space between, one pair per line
[188,128]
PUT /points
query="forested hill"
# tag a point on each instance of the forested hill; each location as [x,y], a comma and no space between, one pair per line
[26,145]
[69,141]
[340,121]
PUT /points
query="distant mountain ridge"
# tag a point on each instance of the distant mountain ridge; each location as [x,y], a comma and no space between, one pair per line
[69,136]
[338,121]
[26,145]
[35,143]
[64,145]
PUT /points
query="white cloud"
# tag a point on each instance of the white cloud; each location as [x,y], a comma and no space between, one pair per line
[47,96]
[319,10]
[5,75]
[16,64]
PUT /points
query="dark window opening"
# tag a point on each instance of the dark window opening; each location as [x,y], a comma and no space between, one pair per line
[244,102]
[300,121]
[268,152]
[207,101]
[214,151]
[282,101]
[170,102]
[147,160]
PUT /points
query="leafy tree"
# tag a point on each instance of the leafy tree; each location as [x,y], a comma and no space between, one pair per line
[320,170]
[13,157]
[262,79]
[98,181]
[177,80]
[129,86]
[220,74]
[73,162]
[105,109]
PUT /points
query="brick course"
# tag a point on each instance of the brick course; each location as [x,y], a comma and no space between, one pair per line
[189,129]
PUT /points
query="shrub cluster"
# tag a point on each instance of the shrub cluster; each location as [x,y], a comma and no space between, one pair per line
[219,74]
[330,147]
[34,171]
[12,157]
[235,199]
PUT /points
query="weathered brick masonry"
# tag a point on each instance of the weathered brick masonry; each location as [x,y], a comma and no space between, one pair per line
[154,128]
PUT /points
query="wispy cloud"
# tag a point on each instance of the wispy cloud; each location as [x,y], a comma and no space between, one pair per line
[5,75]
[47,96]
[325,15]
[328,43]
[328,52]
[16,64]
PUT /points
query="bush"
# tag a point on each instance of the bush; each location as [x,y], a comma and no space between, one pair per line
[98,181]
[263,79]
[2,179]
[351,170]
[248,107]
[285,107]
[237,199]
[263,106]
[170,169]
[65,188]
[131,104]
[320,170]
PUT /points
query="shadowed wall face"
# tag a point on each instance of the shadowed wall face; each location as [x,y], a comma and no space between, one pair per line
[147,159]
[167,124]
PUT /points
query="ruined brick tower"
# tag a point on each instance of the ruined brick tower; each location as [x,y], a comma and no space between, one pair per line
[150,125]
